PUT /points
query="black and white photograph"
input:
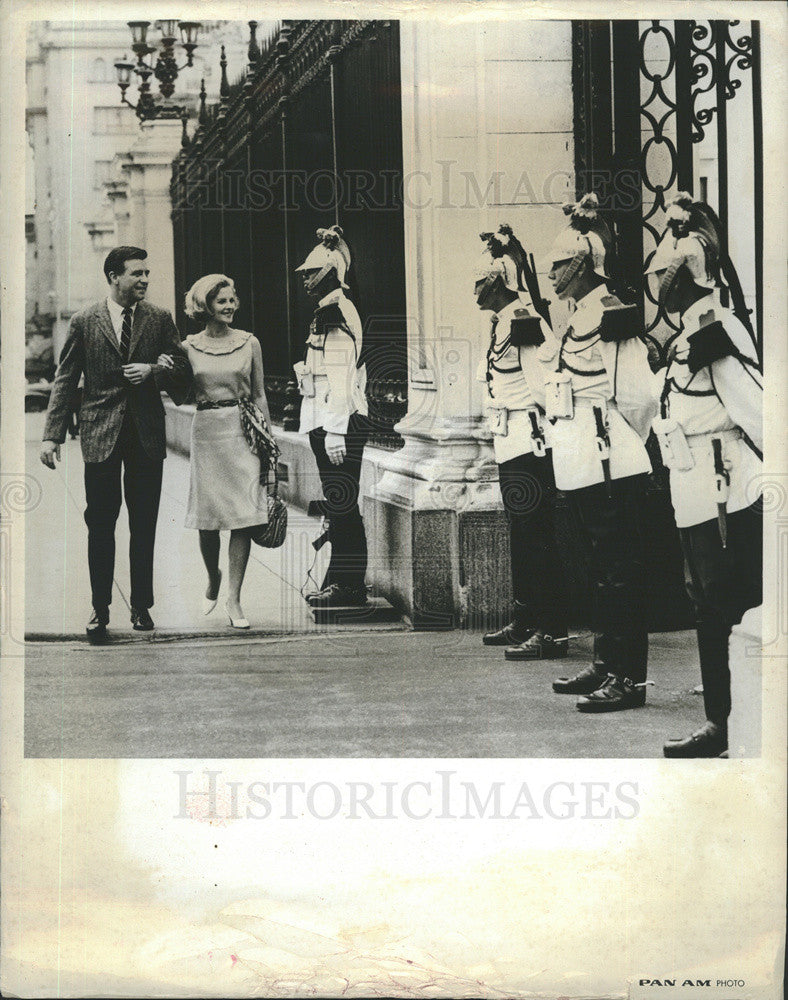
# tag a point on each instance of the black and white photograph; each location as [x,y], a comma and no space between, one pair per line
[395,392]
[510,375]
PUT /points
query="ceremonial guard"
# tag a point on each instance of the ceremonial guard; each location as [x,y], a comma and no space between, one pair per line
[599,404]
[331,380]
[710,433]
[519,327]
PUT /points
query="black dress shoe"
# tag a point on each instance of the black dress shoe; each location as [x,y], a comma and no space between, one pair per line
[96,628]
[709,741]
[539,646]
[510,635]
[588,680]
[615,695]
[141,620]
[337,596]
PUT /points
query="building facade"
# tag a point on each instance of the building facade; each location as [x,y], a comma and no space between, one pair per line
[415,136]
[80,138]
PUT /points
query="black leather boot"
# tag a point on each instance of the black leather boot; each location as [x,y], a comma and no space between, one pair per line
[711,740]
[589,679]
[539,646]
[337,596]
[96,628]
[513,634]
[615,695]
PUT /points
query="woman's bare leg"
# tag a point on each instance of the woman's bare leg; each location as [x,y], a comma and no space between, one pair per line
[209,548]
[240,544]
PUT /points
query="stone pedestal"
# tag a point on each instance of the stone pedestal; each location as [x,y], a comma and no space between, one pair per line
[745,655]
[436,529]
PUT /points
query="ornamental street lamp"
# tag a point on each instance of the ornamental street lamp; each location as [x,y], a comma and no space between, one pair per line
[165,69]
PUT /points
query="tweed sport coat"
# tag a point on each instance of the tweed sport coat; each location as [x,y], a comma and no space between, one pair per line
[92,350]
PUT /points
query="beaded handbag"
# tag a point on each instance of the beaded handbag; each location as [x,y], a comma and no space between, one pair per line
[272,535]
[263,444]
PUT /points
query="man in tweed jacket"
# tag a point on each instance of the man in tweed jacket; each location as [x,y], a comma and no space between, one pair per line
[128,351]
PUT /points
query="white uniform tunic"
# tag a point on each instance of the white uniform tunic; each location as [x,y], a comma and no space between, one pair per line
[612,376]
[331,362]
[729,398]
[515,387]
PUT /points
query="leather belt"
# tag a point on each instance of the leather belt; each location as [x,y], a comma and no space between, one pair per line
[216,404]
[586,401]
[698,440]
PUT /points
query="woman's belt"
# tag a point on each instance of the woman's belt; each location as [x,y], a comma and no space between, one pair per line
[216,404]
[255,430]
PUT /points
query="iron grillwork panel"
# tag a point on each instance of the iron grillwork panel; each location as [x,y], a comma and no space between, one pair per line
[297,142]
[650,97]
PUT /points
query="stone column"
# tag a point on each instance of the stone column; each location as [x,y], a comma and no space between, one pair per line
[148,170]
[436,507]
[475,154]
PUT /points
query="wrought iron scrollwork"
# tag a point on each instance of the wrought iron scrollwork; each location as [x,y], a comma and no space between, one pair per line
[671,98]
[704,75]
[741,56]
[388,404]
[659,111]
[387,399]
[715,51]
[709,41]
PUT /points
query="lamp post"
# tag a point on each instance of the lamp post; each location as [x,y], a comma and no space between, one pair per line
[165,68]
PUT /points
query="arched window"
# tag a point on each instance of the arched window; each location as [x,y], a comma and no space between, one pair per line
[98,71]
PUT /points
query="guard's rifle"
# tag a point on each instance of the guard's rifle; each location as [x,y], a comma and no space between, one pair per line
[527,278]
[732,283]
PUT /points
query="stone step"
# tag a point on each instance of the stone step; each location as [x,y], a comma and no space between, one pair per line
[378,610]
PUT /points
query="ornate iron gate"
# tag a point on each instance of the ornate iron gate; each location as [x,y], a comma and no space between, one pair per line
[309,135]
[652,103]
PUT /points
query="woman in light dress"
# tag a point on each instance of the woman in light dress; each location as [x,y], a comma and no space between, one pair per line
[225,491]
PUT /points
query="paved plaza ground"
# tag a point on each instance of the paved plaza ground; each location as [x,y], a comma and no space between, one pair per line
[288,688]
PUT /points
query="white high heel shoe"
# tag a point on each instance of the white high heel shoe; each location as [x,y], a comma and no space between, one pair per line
[236,622]
[208,603]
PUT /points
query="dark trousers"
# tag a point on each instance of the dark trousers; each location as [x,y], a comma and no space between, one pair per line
[348,565]
[722,583]
[528,492]
[141,478]
[613,527]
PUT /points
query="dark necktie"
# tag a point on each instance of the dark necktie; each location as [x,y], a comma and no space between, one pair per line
[493,325]
[125,334]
